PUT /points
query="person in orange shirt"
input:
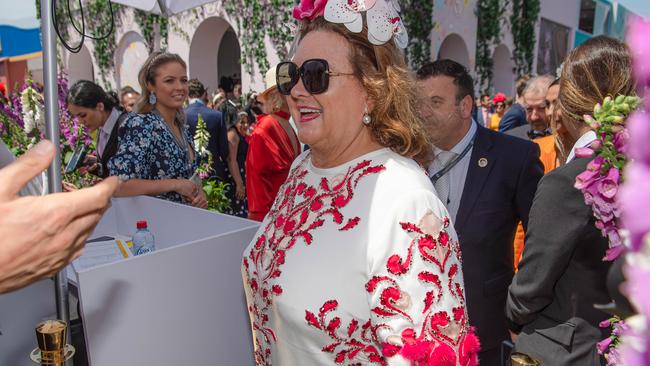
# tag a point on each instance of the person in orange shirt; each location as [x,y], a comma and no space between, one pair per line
[499,102]
[551,151]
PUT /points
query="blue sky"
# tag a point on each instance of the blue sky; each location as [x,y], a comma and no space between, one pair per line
[20,13]
[25,10]
[641,7]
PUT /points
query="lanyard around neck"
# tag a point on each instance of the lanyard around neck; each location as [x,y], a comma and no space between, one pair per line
[434,178]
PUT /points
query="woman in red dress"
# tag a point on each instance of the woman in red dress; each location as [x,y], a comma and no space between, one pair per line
[273,146]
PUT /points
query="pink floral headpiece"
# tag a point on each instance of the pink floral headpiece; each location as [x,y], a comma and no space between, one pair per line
[382,17]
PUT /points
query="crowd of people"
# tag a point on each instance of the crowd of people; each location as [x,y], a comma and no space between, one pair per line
[417,225]
[251,134]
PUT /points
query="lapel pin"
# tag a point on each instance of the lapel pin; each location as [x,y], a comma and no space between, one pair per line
[482,162]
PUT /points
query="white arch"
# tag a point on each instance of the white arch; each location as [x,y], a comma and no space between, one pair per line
[503,68]
[80,66]
[131,53]
[453,47]
[214,52]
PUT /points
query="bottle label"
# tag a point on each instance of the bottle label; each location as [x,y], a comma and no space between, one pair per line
[143,250]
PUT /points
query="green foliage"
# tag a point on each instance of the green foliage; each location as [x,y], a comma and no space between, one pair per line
[13,136]
[249,15]
[98,23]
[216,195]
[522,21]
[418,19]
[610,118]
[280,33]
[255,20]
[99,12]
[488,35]
[147,23]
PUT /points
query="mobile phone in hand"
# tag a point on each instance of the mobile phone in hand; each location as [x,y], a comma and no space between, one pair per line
[77,159]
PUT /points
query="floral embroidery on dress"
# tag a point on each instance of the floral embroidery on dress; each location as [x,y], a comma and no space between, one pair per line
[444,339]
[357,343]
[297,211]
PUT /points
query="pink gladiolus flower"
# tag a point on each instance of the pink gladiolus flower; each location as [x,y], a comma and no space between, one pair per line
[586,179]
[635,198]
[637,38]
[584,152]
[614,252]
[596,145]
[637,287]
[639,132]
[604,324]
[596,164]
[609,185]
[603,345]
[309,9]
[621,141]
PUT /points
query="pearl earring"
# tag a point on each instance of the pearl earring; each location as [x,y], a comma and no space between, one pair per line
[366,117]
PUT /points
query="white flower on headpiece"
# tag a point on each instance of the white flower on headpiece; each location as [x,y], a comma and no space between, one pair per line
[382,16]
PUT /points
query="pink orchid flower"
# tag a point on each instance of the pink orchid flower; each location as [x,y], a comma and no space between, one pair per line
[309,9]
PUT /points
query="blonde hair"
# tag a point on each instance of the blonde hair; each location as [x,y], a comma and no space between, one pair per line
[598,68]
[147,75]
[273,98]
[383,73]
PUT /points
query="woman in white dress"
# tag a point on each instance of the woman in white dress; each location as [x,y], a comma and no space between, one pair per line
[357,262]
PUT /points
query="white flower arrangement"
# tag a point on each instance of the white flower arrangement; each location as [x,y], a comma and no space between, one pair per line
[33,116]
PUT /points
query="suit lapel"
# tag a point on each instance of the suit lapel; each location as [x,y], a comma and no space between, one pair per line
[112,144]
[480,166]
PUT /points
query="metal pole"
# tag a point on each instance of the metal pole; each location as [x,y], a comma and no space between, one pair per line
[52,127]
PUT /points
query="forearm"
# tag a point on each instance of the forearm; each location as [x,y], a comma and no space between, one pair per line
[138,187]
[233,166]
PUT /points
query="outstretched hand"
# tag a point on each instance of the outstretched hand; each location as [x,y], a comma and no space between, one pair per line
[39,235]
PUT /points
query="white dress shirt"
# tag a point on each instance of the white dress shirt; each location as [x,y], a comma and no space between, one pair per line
[458,173]
[104,133]
[195,100]
[583,141]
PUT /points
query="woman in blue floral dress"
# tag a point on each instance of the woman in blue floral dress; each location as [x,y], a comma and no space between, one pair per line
[155,155]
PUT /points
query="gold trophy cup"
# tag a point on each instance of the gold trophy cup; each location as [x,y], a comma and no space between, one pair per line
[52,348]
[521,359]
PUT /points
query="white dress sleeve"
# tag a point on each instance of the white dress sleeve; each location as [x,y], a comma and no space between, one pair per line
[415,285]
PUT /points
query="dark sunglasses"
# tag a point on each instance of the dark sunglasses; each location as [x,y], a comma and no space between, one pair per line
[315,75]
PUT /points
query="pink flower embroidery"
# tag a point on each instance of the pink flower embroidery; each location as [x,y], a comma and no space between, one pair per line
[309,9]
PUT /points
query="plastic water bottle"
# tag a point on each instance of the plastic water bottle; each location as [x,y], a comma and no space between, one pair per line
[143,241]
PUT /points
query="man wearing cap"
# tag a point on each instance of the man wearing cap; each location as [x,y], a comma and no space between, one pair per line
[273,146]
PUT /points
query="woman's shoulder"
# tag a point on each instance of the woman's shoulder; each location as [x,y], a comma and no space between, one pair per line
[403,191]
[142,120]
[404,172]
[264,124]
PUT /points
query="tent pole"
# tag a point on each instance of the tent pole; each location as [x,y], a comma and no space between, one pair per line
[52,128]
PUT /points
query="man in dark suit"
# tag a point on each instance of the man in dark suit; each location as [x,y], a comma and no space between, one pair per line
[516,115]
[487,181]
[484,111]
[534,99]
[218,144]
